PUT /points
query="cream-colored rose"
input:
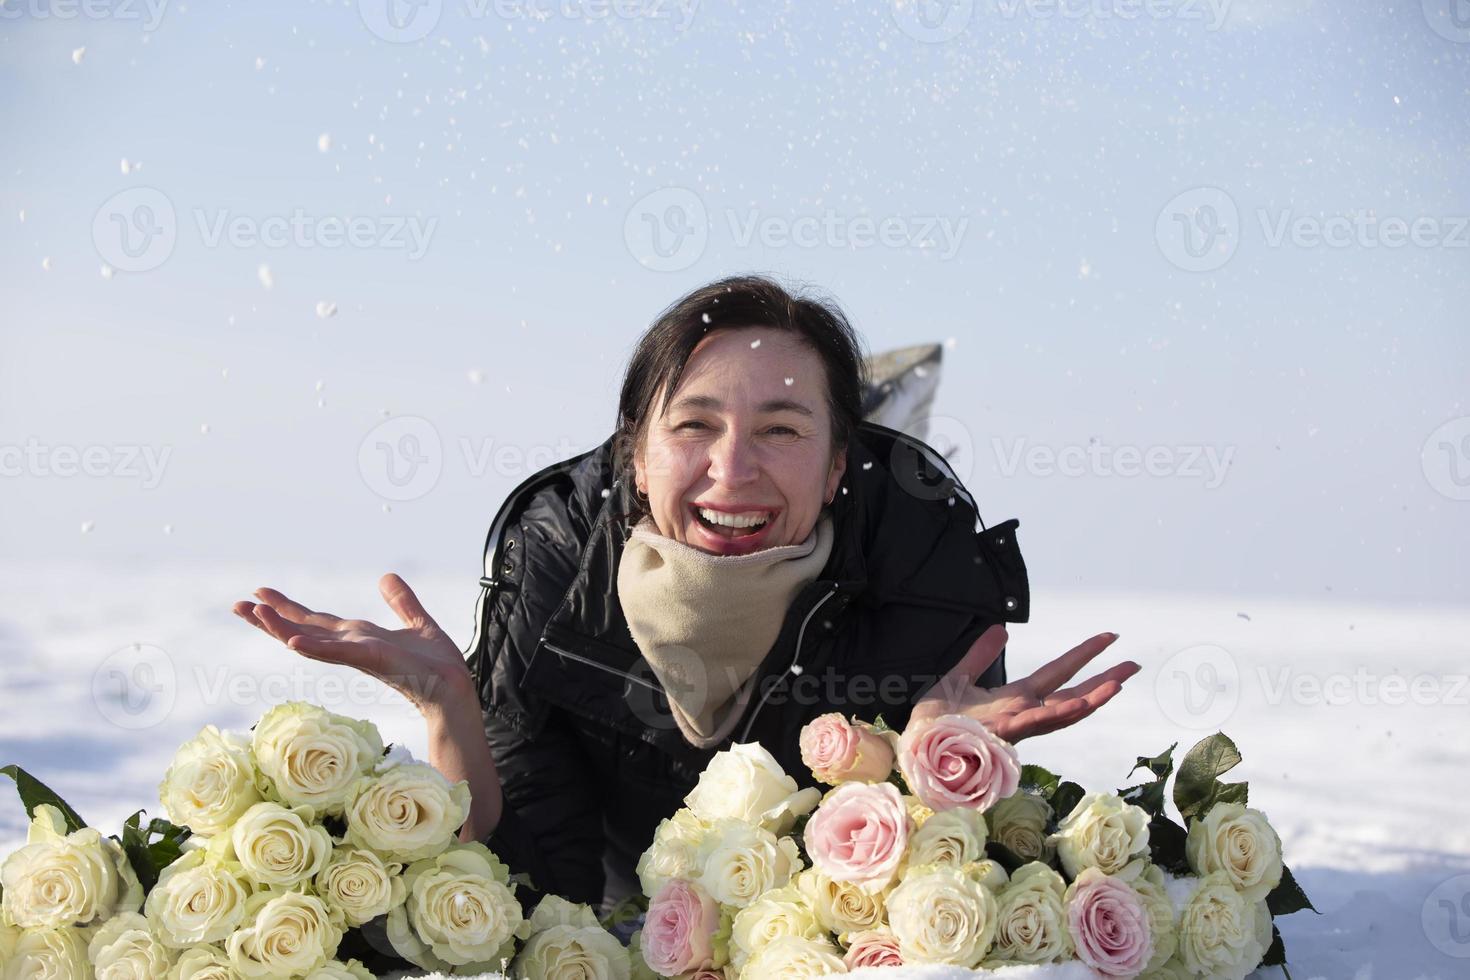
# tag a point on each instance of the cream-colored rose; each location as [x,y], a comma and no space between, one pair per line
[312,757]
[1032,917]
[1018,823]
[9,936]
[1148,880]
[337,970]
[991,874]
[63,879]
[746,783]
[460,912]
[124,948]
[674,852]
[1239,841]
[782,912]
[48,954]
[1220,933]
[197,899]
[568,952]
[277,846]
[406,812]
[941,915]
[360,884]
[843,907]
[553,910]
[1172,969]
[739,862]
[1101,832]
[953,837]
[210,782]
[202,963]
[285,934]
[792,957]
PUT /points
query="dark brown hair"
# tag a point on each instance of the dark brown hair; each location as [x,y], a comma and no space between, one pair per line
[663,351]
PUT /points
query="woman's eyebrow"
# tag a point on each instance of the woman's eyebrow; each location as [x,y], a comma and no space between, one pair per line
[714,404]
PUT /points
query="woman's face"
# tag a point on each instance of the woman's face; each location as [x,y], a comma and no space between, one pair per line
[746,439]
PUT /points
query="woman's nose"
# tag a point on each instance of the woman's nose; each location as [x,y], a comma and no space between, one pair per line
[732,461]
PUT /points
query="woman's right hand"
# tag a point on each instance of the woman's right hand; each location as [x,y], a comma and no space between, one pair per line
[420,661]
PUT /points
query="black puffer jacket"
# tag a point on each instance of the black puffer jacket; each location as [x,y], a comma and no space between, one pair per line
[588,753]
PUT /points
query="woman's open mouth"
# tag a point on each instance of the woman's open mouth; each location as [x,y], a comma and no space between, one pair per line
[732,532]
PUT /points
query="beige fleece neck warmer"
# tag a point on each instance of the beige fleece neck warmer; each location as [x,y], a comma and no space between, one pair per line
[706,622]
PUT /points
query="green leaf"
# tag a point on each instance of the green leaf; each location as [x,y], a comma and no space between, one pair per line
[33,793]
[1287,897]
[148,856]
[1276,954]
[880,725]
[1042,782]
[1066,797]
[1198,786]
[1166,845]
[1160,765]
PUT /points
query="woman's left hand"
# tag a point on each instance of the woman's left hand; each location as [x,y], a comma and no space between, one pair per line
[1033,705]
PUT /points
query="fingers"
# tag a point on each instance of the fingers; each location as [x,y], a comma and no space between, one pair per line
[1062,713]
[365,656]
[982,653]
[401,600]
[295,611]
[1118,673]
[1047,678]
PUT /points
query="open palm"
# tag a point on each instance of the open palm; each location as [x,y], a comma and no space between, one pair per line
[1035,704]
[420,661]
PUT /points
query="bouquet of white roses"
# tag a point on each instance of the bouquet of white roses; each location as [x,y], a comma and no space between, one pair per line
[938,846]
[303,849]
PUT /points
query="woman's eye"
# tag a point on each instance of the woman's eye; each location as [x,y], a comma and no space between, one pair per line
[691,424]
[784,430]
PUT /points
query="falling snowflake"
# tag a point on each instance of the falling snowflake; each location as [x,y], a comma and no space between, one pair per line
[77,54]
[125,166]
[476,376]
[264,275]
[324,142]
[87,526]
[705,317]
[168,529]
[868,465]
[325,309]
[204,429]
[106,271]
[754,344]
[790,381]
[46,264]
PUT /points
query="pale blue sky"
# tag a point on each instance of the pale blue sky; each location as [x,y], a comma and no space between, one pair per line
[1050,144]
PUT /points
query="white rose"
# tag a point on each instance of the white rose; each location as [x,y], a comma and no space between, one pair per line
[843,907]
[792,957]
[124,948]
[674,852]
[337,970]
[197,900]
[313,757]
[953,837]
[49,954]
[210,782]
[1032,918]
[991,874]
[739,862]
[406,812]
[285,934]
[1240,842]
[360,884]
[746,783]
[782,912]
[1018,822]
[203,963]
[553,910]
[279,846]
[1101,832]
[1148,880]
[460,912]
[568,952]
[941,915]
[58,879]
[1220,933]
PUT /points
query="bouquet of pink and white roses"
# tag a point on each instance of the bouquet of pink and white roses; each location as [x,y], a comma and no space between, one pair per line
[302,849]
[938,847]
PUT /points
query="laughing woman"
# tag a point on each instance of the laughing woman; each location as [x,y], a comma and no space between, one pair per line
[743,554]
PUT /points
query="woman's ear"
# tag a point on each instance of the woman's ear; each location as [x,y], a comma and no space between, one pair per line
[834,476]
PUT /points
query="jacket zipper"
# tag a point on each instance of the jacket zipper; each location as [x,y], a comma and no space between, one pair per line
[593,663]
[793,669]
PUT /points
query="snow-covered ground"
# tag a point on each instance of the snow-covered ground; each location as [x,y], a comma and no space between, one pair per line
[1352,719]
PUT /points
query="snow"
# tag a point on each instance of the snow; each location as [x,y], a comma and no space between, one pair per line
[1363,783]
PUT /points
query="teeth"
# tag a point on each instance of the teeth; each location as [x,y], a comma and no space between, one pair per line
[754,518]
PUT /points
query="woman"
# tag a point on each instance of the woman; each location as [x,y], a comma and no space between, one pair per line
[742,555]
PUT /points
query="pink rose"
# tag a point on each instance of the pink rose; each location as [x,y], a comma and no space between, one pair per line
[956,761]
[679,930]
[1109,924]
[873,948]
[859,834]
[840,751]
